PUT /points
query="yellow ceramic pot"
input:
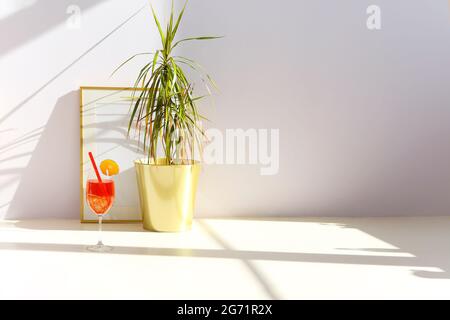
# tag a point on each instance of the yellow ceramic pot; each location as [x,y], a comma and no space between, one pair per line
[167,194]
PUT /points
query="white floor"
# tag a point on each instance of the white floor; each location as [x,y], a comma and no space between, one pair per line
[287,258]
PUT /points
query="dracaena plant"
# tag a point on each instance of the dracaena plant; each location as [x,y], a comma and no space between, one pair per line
[164,109]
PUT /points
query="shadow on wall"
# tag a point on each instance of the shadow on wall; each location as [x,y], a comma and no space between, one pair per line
[40,17]
[47,181]
[74,62]
[55,162]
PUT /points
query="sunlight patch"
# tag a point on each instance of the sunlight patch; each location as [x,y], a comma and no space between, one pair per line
[10,7]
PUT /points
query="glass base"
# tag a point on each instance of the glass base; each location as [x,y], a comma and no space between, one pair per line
[99,247]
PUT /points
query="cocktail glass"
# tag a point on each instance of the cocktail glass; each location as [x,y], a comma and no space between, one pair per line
[100,197]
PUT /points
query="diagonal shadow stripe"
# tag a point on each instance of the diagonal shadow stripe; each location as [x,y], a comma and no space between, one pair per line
[227,254]
[26,100]
[249,264]
[41,16]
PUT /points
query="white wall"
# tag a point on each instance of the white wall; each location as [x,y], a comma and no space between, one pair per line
[364,116]
[43,63]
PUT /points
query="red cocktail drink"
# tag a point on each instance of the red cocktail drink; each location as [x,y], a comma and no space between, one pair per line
[100,195]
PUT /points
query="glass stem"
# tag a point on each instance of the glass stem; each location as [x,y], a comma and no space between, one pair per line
[100,230]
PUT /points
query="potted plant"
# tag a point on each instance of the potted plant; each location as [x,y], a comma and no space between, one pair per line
[166,118]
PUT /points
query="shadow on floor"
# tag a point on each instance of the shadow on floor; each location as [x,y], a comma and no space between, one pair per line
[220,254]
[426,239]
[68,225]
[259,277]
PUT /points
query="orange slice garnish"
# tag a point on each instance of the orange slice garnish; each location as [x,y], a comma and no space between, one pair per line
[109,167]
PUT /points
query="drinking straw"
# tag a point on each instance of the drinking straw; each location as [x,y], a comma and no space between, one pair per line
[95,168]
